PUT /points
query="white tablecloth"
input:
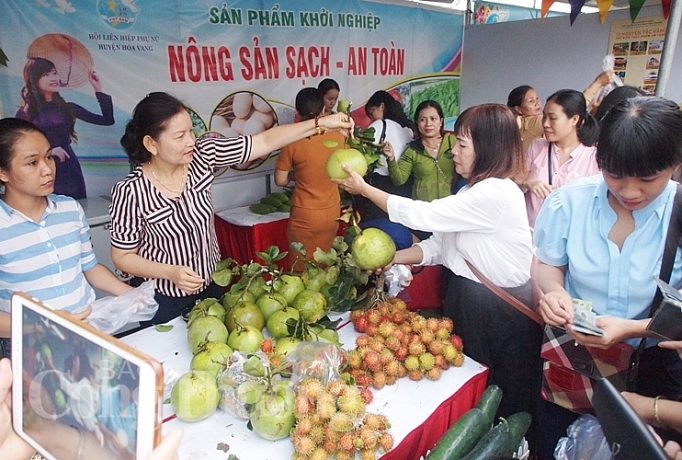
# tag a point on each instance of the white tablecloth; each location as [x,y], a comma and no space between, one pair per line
[407,404]
[244,217]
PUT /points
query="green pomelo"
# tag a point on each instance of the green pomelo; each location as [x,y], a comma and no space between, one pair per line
[245,313]
[314,278]
[289,286]
[272,417]
[258,287]
[312,305]
[372,249]
[205,329]
[286,344]
[270,303]
[195,396]
[277,326]
[349,157]
[231,298]
[212,357]
[207,307]
[343,105]
[246,339]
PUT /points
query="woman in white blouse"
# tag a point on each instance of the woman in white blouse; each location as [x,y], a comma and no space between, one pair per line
[485,223]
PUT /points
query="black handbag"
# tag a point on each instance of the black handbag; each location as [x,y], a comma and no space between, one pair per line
[667,321]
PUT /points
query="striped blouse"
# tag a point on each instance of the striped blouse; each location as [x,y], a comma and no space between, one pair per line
[176,231]
[46,259]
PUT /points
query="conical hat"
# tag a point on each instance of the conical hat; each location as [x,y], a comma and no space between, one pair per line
[70,57]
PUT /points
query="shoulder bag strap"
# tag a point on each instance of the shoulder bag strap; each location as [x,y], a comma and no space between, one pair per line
[549,164]
[504,295]
[382,138]
[672,242]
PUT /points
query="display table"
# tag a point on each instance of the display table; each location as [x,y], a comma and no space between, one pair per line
[419,412]
[241,233]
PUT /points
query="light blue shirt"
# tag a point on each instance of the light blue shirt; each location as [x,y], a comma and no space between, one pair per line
[46,259]
[572,229]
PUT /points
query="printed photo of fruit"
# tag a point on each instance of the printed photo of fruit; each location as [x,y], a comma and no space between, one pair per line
[198,125]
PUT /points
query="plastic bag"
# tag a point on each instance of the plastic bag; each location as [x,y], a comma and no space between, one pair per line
[608,63]
[585,441]
[170,378]
[109,314]
[398,277]
[319,360]
[230,379]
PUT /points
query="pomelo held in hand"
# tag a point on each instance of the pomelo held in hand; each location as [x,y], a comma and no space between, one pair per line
[350,157]
[373,248]
[343,105]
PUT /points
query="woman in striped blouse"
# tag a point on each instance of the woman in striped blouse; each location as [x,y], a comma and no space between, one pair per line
[162,212]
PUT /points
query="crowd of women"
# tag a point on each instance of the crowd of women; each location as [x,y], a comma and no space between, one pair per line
[600,238]
[590,196]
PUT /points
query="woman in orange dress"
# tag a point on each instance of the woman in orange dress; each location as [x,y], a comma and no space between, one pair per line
[315,203]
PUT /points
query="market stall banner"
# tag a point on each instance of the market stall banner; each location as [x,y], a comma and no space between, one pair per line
[238,65]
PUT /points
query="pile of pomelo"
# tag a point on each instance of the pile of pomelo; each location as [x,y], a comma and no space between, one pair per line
[275,317]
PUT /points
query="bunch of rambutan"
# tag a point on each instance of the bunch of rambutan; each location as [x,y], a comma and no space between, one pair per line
[267,346]
[395,342]
[331,422]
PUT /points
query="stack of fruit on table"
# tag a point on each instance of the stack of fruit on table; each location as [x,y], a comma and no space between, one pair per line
[273,202]
[240,344]
[320,407]
[396,342]
[332,422]
[246,348]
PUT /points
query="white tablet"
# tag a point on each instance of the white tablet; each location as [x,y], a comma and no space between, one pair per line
[78,393]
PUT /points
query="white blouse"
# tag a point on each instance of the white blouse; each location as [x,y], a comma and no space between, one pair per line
[485,224]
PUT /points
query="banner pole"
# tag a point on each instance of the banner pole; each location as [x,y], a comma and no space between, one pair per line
[669,49]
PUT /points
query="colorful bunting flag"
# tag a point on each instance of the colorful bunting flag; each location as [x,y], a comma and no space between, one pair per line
[666,8]
[546,4]
[635,6]
[604,7]
[576,6]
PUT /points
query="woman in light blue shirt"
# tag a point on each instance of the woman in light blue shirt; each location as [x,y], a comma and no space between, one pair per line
[45,247]
[601,239]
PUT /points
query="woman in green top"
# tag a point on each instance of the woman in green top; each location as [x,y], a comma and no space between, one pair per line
[428,158]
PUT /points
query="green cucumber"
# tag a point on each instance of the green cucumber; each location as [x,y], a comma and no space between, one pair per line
[260,208]
[271,200]
[489,402]
[460,438]
[493,444]
[281,197]
[518,425]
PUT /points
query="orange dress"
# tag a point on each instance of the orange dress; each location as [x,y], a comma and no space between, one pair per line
[315,203]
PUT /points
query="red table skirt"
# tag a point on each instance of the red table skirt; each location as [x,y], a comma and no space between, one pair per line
[425,436]
[242,242]
[426,288]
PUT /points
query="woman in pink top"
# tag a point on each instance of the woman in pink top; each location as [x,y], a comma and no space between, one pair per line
[566,153]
